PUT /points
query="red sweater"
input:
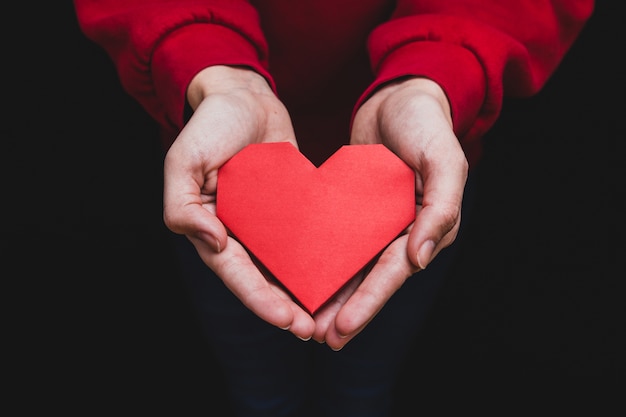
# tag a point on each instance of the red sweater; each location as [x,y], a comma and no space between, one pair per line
[323,57]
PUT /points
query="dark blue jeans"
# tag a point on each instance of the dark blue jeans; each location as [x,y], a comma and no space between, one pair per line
[270,372]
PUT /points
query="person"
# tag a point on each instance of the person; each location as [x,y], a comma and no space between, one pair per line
[425,78]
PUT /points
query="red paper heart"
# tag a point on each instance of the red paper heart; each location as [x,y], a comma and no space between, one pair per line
[315,228]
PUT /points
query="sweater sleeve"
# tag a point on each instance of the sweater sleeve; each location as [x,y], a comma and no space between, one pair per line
[479,51]
[156,45]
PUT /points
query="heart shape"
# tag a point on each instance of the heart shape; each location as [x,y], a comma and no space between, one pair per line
[315,228]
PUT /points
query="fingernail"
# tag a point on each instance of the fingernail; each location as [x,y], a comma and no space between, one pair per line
[425,254]
[210,240]
[304,339]
[218,247]
[215,244]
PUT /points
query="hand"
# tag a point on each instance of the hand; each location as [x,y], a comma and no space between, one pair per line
[412,118]
[233,107]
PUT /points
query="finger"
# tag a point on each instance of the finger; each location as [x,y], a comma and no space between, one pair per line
[324,319]
[438,218]
[267,300]
[196,221]
[186,210]
[326,315]
[386,277]
[442,174]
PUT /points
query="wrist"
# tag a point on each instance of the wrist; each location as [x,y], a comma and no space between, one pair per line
[222,79]
[421,85]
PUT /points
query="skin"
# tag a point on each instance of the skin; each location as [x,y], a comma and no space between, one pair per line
[234,107]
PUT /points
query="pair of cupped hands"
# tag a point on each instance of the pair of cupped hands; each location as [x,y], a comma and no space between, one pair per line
[234,107]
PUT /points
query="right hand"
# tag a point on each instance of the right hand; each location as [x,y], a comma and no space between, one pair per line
[233,107]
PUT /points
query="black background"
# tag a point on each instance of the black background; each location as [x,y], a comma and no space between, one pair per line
[97,318]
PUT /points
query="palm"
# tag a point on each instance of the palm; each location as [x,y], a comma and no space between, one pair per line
[412,118]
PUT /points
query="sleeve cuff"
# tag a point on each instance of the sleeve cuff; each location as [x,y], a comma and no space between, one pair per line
[453,67]
[180,57]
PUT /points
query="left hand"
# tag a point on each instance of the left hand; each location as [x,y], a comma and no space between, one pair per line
[412,118]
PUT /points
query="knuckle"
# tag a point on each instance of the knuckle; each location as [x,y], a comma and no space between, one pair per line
[449,216]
